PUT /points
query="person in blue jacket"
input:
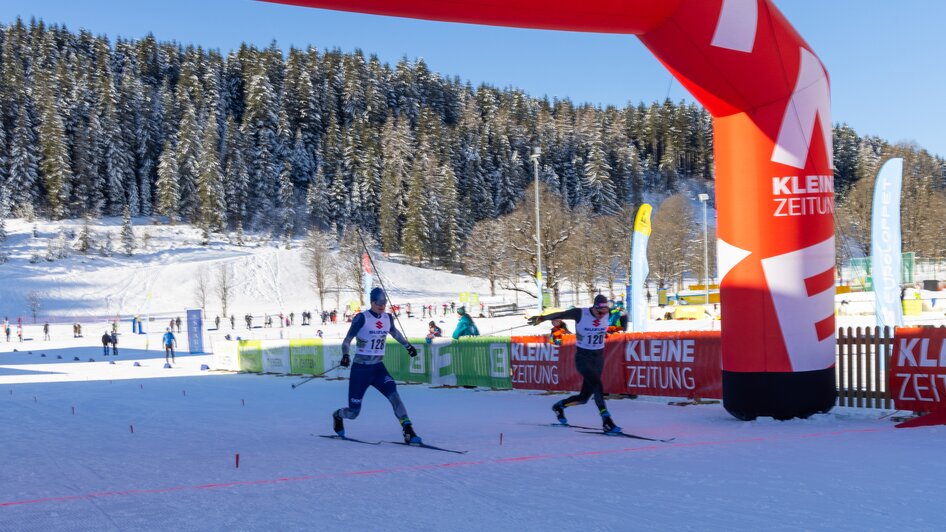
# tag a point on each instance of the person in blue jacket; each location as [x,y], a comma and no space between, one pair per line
[465,327]
[169,342]
[371,329]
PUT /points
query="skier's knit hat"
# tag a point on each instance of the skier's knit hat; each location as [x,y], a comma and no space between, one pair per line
[601,300]
[378,296]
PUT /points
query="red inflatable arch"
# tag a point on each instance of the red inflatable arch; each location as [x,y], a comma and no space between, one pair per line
[769,97]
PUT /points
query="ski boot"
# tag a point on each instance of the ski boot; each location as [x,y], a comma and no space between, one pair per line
[608,424]
[559,410]
[409,435]
[337,424]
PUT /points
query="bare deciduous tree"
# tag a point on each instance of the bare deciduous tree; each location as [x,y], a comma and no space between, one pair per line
[319,259]
[225,285]
[558,222]
[202,287]
[487,253]
[35,301]
[670,240]
[350,256]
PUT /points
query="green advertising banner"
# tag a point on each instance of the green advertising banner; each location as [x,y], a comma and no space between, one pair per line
[404,368]
[251,355]
[471,361]
[862,269]
[306,356]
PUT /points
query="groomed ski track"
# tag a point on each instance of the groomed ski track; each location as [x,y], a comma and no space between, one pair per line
[87,470]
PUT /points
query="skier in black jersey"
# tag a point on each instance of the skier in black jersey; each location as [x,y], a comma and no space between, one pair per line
[371,329]
[591,325]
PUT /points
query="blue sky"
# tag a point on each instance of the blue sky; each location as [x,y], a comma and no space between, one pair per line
[885,58]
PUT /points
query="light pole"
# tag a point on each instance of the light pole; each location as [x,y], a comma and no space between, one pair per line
[538,226]
[703,200]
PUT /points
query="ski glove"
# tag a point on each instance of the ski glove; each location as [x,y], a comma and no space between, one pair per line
[534,320]
[345,361]
[411,350]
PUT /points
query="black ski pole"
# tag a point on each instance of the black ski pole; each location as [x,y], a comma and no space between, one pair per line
[510,329]
[381,281]
[307,379]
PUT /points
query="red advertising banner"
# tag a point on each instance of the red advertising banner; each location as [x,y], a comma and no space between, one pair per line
[538,364]
[676,364]
[918,369]
[672,364]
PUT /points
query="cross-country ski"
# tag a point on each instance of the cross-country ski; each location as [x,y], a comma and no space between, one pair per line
[346,438]
[426,446]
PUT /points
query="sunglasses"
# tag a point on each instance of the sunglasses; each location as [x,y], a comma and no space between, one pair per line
[602,307]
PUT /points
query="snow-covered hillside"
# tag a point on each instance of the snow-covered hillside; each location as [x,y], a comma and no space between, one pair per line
[161,277]
[160,280]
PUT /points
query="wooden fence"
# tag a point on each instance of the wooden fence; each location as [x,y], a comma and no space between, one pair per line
[863,358]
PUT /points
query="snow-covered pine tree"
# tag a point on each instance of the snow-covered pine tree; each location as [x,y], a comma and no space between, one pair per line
[23,178]
[395,152]
[300,159]
[188,162]
[211,210]
[448,237]
[339,201]
[108,247]
[85,238]
[128,233]
[236,177]
[131,120]
[316,201]
[168,194]
[55,164]
[599,189]
[286,210]
[415,237]
[61,250]
[260,123]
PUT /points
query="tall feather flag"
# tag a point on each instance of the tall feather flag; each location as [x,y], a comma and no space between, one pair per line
[639,269]
[886,243]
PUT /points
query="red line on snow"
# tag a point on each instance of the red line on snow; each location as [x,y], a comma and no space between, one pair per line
[448,465]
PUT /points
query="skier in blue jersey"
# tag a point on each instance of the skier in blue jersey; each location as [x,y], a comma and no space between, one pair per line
[371,328]
[591,325]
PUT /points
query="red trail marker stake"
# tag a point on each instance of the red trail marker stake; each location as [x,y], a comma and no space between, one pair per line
[500,438]
[73,410]
[238,460]
[131,428]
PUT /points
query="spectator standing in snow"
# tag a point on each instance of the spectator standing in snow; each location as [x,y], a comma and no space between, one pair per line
[232,322]
[19,332]
[170,342]
[114,339]
[106,340]
[177,321]
[46,331]
[217,323]
[465,327]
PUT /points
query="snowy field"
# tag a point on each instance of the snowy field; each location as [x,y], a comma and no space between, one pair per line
[91,445]
[148,448]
